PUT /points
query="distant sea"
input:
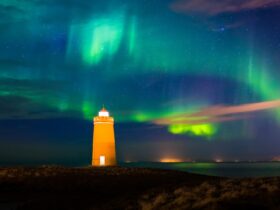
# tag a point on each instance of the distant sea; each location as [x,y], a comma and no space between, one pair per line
[236,170]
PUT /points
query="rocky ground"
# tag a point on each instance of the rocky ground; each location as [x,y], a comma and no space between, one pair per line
[51,187]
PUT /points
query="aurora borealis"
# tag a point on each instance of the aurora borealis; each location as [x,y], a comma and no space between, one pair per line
[147,61]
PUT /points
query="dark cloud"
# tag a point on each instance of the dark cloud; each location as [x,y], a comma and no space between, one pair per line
[10,13]
[29,98]
[20,107]
[58,11]
[7,84]
[216,7]
[8,9]
[12,64]
[51,12]
[17,107]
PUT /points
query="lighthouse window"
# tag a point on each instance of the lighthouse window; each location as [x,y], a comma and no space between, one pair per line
[102,160]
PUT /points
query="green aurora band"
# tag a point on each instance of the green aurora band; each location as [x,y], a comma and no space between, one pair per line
[207,130]
[120,44]
[102,38]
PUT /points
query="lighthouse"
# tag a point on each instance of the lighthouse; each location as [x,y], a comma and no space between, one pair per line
[103,147]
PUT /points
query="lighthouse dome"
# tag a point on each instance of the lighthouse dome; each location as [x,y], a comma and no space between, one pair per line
[103,113]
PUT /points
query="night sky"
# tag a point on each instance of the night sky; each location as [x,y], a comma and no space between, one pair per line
[184,79]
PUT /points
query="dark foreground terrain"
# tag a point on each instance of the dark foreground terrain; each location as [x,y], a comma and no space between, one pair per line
[131,188]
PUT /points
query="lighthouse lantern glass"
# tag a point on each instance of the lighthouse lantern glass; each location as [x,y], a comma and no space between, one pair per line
[103,114]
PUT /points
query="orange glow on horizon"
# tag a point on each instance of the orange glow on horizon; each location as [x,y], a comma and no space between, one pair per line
[219,160]
[170,160]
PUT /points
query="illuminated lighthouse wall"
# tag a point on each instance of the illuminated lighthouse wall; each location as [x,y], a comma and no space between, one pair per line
[103,151]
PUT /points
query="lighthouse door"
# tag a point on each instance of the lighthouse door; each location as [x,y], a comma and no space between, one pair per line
[102,160]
